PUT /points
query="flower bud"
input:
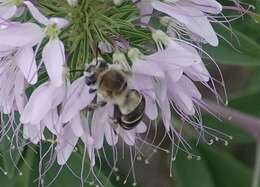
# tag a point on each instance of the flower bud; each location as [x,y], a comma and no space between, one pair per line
[73,3]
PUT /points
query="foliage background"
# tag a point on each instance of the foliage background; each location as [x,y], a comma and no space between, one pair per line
[221,166]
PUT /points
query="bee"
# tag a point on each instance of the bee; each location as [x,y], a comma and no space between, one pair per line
[110,84]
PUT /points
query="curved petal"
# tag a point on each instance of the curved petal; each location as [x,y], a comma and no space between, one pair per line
[181,98]
[76,126]
[151,108]
[99,121]
[147,68]
[51,121]
[19,90]
[111,136]
[6,50]
[210,6]
[7,12]
[26,62]
[54,59]
[33,132]
[146,9]
[128,136]
[195,20]
[77,98]
[190,87]
[66,143]
[59,22]
[141,128]
[16,34]
[38,106]
[36,13]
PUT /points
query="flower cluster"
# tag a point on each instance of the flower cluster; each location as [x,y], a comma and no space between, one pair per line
[45,44]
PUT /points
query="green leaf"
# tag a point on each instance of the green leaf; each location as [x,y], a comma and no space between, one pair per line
[246,54]
[26,179]
[191,173]
[226,170]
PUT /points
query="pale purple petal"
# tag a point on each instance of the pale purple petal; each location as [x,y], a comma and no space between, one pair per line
[33,132]
[195,20]
[146,9]
[7,12]
[76,125]
[51,121]
[36,13]
[38,106]
[128,136]
[147,68]
[26,62]
[210,6]
[6,50]
[151,108]
[19,89]
[66,143]
[16,34]
[99,121]
[181,98]
[77,98]
[141,128]
[59,22]
[54,59]
[190,87]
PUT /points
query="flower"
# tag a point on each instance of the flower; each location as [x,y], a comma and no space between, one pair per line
[174,87]
[18,65]
[53,54]
[48,44]
[8,8]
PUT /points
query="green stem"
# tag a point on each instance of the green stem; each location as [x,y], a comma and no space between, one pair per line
[256,177]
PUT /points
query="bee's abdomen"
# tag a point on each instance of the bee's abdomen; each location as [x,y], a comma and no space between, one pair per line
[132,119]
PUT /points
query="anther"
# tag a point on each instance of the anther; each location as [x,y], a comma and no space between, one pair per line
[189,157]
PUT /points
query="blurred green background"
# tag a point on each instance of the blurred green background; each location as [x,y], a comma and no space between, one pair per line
[220,165]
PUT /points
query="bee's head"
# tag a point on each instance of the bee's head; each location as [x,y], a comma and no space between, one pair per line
[96,65]
[93,70]
[113,86]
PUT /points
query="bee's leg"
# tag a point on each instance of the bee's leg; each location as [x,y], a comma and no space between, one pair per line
[90,80]
[116,117]
[115,123]
[96,104]
[91,90]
